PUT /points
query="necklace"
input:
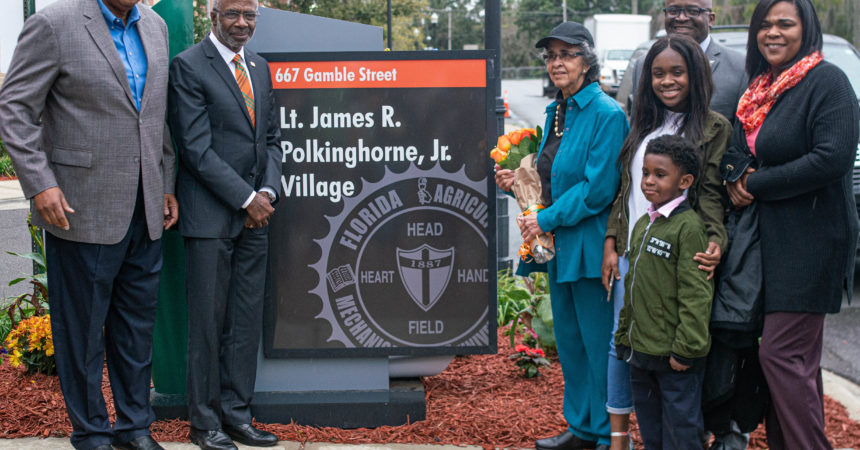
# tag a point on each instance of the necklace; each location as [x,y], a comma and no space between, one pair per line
[557,133]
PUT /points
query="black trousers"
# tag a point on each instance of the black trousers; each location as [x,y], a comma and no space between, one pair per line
[225,281]
[669,407]
[103,300]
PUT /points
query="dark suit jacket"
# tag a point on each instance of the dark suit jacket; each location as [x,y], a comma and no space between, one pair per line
[223,158]
[728,71]
[69,120]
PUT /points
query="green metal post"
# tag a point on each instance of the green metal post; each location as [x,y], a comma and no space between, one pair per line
[29,8]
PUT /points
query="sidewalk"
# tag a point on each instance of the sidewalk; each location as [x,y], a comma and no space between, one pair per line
[58,443]
[11,196]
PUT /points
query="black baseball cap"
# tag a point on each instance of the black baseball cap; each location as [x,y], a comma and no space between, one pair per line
[571,32]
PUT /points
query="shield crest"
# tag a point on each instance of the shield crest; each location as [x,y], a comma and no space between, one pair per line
[425,272]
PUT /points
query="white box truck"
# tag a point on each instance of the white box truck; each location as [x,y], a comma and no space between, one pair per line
[615,38]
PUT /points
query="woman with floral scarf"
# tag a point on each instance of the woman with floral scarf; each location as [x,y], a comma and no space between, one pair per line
[799,121]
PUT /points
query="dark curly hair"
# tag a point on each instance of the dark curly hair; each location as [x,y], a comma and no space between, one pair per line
[679,149]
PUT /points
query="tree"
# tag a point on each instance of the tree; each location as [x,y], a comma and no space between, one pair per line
[467,23]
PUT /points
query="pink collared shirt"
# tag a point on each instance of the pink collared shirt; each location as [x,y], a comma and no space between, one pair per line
[666,209]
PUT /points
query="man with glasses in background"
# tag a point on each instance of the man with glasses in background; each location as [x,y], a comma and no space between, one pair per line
[221,112]
[695,19]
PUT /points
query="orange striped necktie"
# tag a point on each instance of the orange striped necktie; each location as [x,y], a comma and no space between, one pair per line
[245,87]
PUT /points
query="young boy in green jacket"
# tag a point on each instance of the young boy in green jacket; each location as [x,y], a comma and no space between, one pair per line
[663,325]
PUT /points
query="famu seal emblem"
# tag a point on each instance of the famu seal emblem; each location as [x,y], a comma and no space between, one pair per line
[405,263]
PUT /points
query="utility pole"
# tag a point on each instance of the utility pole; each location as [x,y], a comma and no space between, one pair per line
[389,26]
[449,27]
[635,6]
[564,10]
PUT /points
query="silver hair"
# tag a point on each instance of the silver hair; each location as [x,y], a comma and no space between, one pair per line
[590,59]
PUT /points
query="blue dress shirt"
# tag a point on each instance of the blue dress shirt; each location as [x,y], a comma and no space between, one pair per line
[130,49]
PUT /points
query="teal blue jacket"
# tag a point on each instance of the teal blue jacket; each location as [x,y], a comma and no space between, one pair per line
[585,176]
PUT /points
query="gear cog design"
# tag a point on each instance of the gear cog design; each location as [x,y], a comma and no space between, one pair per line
[404,263]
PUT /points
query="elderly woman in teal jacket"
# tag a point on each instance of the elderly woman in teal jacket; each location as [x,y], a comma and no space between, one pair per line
[585,129]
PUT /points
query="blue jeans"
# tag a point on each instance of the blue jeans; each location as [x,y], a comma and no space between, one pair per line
[619,398]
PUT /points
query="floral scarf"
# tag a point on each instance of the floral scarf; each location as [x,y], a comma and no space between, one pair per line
[763,91]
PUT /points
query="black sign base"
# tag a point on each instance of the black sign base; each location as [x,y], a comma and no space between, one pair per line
[402,403]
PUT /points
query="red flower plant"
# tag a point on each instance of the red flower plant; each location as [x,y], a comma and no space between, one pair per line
[529,359]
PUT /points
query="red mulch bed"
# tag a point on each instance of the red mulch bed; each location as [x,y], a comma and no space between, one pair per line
[478,400]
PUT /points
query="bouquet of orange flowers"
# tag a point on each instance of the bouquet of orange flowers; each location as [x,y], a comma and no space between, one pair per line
[511,148]
[517,151]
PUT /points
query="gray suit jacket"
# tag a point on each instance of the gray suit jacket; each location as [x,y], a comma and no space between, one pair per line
[223,158]
[69,120]
[727,68]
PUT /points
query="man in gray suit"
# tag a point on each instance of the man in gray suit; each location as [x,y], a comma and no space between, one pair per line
[82,115]
[695,18]
[222,113]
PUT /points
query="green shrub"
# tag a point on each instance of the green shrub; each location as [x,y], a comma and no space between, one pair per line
[524,303]
[6,168]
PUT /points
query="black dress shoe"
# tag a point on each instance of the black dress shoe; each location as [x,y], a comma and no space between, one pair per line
[248,435]
[139,443]
[564,441]
[211,439]
[102,447]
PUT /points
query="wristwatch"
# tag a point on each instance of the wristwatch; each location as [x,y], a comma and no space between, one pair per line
[268,195]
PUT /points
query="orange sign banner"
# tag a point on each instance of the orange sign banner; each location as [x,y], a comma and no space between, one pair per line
[379,74]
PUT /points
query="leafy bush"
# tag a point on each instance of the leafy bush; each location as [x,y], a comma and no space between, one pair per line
[201,22]
[524,303]
[6,169]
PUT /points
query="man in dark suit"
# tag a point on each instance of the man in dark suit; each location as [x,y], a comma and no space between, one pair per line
[223,116]
[91,151]
[695,18]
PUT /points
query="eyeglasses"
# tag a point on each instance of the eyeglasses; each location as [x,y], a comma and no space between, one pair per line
[564,56]
[232,14]
[690,11]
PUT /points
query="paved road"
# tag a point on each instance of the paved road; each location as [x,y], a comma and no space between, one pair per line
[841,331]
[842,340]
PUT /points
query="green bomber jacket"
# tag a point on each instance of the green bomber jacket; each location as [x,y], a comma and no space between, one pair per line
[667,299]
[707,195]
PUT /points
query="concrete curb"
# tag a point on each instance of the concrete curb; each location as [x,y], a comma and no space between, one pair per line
[843,391]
